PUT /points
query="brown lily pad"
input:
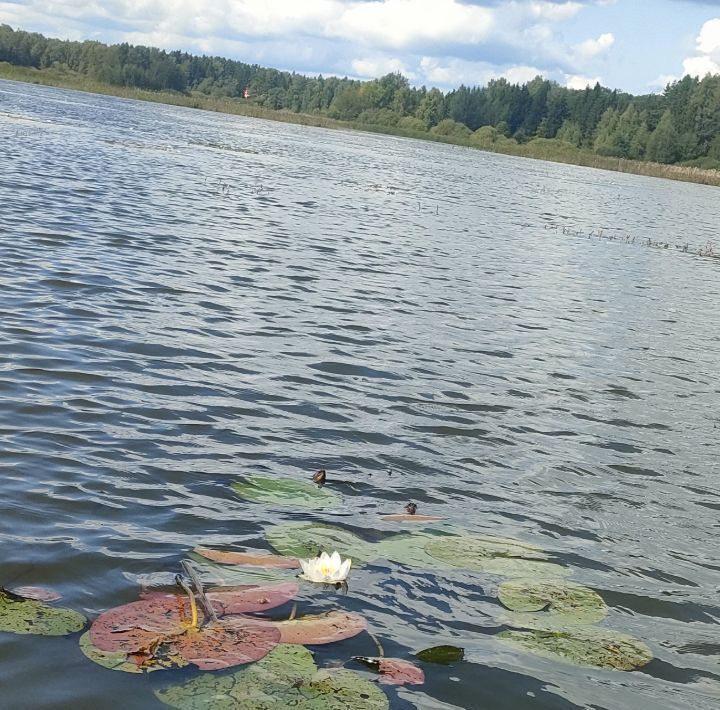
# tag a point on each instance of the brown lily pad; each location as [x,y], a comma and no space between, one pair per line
[394,671]
[226,557]
[321,628]
[228,642]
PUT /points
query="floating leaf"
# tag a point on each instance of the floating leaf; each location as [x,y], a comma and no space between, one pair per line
[157,630]
[494,555]
[40,594]
[244,600]
[286,678]
[117,660]
[28,616]
[415,518]
[227,642]
[394,671]
[308,540]
[321,628]
[285,491]
[443,655]
[562,602]
[140,625]
[245,558]
[583,646]
[409,550]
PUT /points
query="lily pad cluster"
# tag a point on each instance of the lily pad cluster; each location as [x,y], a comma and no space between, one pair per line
[286,677]
[294,493]
[168,630]
[492,555]
[555,620]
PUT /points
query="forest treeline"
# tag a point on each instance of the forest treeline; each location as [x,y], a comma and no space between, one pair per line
[681,125]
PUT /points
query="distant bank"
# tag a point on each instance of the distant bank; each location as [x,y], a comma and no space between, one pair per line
[550,149]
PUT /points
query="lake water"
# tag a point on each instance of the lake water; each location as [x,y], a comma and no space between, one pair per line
[190,298]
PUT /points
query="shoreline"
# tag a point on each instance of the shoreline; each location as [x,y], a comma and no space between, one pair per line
[549,150]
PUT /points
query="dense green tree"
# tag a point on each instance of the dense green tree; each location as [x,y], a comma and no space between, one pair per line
[662,144]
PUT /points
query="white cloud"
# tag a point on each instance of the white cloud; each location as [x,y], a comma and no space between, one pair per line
[591,48]
[576,81]
[700,66]
[708,41]
[449,72]
[555,12]
[375,66]
[401,23]
[462,41]
[707,58]
[662,80]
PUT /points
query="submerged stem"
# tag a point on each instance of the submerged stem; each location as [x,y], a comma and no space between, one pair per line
[381,650]
[193,603]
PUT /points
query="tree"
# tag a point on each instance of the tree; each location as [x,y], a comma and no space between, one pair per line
[662,145]
[432,108]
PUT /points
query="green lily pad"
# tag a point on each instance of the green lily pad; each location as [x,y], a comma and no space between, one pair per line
[444,655]
[307,540]
[557,601]
[582,646]
[286,677]
[494,555]
[410,550]
[116,660]
[28,616]
[286,492]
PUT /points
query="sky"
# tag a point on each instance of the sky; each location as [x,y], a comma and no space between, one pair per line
[632,45]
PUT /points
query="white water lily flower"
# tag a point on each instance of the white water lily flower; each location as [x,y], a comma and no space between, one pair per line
[327,569]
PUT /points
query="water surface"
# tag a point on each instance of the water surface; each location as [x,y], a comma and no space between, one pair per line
[187,298]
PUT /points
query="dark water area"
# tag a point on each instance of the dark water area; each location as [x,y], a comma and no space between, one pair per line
[189,298]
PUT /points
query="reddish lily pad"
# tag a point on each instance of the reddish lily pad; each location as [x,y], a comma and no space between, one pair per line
[157,630]
[321,628]
[243,599]
[138,626]
[226,557]
[119,661]
[228,642]
[394,671]
[39,594]
[247,599]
